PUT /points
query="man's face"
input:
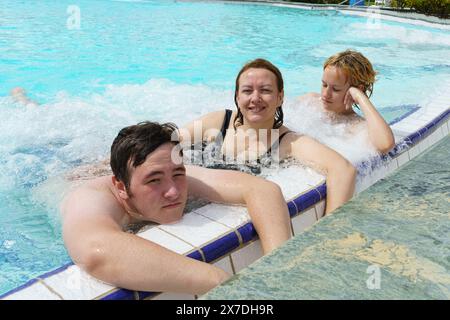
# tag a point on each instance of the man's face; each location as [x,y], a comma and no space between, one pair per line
[158,187]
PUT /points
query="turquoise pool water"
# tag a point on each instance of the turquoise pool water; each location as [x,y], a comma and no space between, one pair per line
[159,60]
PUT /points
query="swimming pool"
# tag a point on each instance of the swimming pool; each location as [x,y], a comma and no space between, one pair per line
[159,65]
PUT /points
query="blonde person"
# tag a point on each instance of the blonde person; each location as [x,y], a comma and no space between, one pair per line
[347,82]
[255,130]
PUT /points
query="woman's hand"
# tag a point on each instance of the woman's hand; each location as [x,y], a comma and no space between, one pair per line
[353,95]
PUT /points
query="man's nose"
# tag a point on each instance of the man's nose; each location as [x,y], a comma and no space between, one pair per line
[172,191]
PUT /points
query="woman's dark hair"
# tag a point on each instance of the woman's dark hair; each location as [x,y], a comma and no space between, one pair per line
[134,143]
[260,64]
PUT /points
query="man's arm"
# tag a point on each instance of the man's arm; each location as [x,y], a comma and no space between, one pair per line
[96,242]
[340,173]
[264,200]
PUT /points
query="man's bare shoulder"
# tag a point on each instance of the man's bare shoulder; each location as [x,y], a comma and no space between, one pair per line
[92,197]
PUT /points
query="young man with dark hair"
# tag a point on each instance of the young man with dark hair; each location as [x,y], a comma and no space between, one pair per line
[150,183]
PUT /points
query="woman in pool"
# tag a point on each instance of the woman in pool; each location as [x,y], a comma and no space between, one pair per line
[248,132]
[347,81]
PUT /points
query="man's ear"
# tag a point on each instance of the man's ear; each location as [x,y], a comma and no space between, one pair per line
[120,187]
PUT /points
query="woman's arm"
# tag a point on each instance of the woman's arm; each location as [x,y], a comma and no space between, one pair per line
[203,128]
[264,200]
[380,134]
[340,173]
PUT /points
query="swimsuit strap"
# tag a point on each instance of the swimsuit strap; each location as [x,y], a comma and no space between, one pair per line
[226,123]
[277,143]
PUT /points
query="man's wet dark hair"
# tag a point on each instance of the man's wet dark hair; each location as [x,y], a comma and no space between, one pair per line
[134,143]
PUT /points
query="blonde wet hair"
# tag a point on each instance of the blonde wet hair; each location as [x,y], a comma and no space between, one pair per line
[356,67]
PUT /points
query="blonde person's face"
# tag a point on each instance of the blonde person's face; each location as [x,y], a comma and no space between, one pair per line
[334,88]
[258,96]
[159,186]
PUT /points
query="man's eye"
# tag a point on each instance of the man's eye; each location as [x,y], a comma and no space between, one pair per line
[154,181]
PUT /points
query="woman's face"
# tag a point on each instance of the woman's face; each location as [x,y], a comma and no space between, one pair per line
[334,88]
[258,96]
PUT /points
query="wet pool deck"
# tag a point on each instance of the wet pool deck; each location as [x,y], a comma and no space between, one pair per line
[391,241]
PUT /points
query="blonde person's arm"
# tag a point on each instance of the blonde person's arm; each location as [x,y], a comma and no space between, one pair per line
[380,134]
[340,173]
[264,200]
[98,245]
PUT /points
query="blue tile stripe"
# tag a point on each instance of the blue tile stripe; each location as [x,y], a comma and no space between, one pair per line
[228,242]
[247,232]
[146,294]
[221,247]
[292,208]
[307,200]
[196,255]
[24,286]
[120,294]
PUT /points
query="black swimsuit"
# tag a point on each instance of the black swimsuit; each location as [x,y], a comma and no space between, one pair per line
[216,160]
[226,123]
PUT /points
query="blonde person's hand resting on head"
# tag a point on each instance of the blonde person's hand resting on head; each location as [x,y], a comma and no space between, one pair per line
[347,82]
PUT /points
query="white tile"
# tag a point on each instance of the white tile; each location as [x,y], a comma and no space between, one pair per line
[404,127]
[414,151]
[424,144]
[75,284]
[304,220]
[440,103]
[399,133]
[403,158]
[425,115]
[399,138]
[247,255]
[196,229]
[37,291]
[417,124]
[444,129]
[391,166]
[224,264]
[364,183]
[173,296]
[320,209]
[435,136]
[231,216]
[166,240]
